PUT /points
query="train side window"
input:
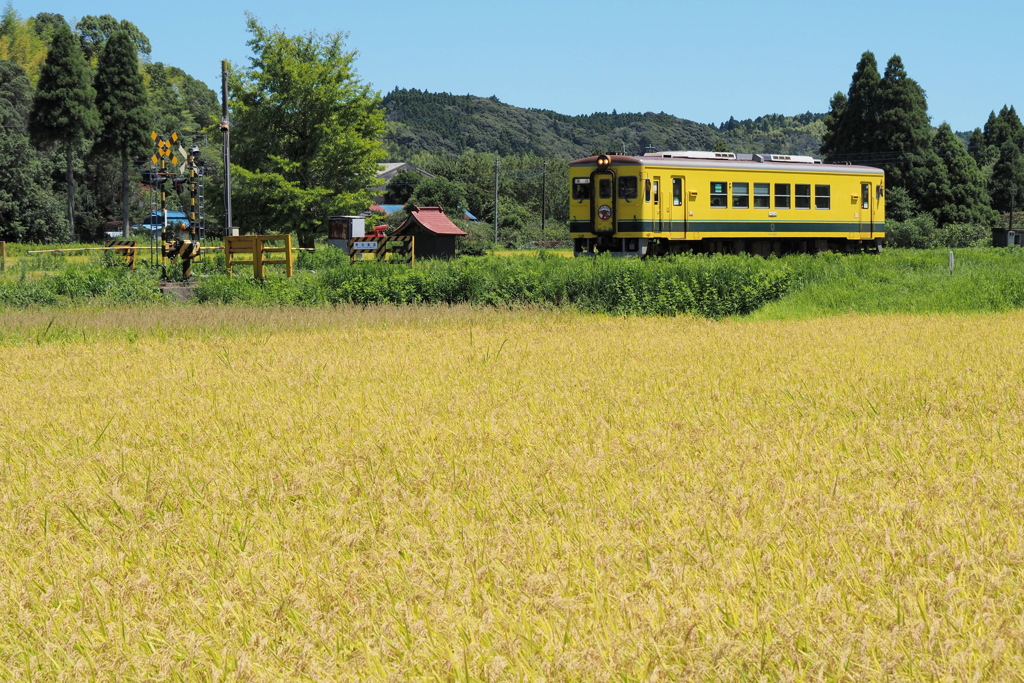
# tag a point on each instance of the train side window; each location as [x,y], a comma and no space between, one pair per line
[741,195]
[762,195]
[782,195]
[604,188]
[647,189]
[719,195]
[628,187]
[865,188]
[677,191]
[803,196]
[656,192]
[581,189]
[822,197]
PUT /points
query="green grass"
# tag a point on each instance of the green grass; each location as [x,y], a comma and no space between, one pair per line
[793,287]
[902,281]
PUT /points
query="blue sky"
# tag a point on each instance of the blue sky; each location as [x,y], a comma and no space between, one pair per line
[704,61]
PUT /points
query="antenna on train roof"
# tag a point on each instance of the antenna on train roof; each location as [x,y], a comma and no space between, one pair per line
[787,158]
[692,155]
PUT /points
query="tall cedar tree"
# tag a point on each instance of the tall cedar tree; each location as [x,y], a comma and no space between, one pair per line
[980,151]
[123,109]
[905,134]
[308,132]
[64,110]
[1002,127]
[1007,183]
[851,124]
[884,122]
[963,198]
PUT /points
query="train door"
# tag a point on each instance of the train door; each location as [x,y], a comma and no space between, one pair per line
[677,208]
[602,206]
[656,191]
[867,210]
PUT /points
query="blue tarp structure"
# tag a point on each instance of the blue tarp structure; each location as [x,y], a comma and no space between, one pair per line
[155,221]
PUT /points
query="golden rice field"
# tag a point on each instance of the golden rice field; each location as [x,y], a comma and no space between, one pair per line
[482,495]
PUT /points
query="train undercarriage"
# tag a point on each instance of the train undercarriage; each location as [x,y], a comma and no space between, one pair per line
[642,247]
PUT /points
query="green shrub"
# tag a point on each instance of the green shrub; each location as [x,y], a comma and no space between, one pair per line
[961,236]
[918,232]
[711,286]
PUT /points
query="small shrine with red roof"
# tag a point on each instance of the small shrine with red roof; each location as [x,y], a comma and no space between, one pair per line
[434,232]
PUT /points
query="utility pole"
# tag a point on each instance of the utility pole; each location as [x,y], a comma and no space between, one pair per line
[224,128]
[495,201]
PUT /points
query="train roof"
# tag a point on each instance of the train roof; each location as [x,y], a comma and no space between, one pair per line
[756,162]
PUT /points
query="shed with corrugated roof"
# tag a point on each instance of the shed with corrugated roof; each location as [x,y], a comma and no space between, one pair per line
[435,234]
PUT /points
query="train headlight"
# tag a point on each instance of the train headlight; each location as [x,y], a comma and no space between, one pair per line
[603,161]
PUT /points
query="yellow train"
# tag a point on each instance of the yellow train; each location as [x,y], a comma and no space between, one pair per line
[714,202]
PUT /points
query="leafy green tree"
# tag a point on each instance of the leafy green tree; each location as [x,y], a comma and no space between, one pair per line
[475,172]
[64,111]
[447,194]
[899,205]
[21,44]
[925,177]
[123,109]
[29,210]
[94,32]
[181,104]
[833,140]
[1007,183]
[45,23]
[521,187]
[307,130]
[402,186]
[963,198]
[15,96]
[984,154]
[513,221]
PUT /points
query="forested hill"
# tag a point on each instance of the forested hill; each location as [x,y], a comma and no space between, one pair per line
[420,121]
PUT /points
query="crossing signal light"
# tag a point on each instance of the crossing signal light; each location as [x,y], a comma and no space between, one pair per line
[179,185]
[153,179]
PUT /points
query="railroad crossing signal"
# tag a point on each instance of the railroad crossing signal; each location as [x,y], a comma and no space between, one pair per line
[163,147]
[163,154]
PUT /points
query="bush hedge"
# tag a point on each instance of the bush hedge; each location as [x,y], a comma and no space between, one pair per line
[712,286]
